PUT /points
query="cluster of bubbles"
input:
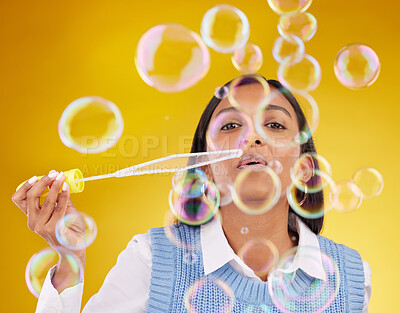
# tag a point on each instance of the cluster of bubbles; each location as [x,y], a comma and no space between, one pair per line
[366,183]
[172,58]
[75,231]
[194,199]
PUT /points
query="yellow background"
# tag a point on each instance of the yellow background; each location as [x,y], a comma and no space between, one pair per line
[53,52]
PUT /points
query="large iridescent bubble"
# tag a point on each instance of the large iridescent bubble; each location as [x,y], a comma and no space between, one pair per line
[194,299]
[289,49]
[302,25]
[290,287]
[76,231]
[171,57]
[40,263]
[357,66]
[304,75]
[90,125]
[289,6]
[225,28]
[196,210]
[248,59]
[256,190]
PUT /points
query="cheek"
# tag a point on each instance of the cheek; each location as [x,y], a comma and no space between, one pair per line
[287,160]
[224,172]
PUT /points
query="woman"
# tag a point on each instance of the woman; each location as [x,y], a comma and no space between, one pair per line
[151,274]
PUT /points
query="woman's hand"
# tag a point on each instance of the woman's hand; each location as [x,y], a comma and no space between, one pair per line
[42,219]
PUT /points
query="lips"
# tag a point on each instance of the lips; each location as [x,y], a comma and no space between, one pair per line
[253,161]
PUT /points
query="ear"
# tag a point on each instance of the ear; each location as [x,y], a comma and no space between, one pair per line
[306,168]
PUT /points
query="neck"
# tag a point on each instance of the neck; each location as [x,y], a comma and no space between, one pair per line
[271,225]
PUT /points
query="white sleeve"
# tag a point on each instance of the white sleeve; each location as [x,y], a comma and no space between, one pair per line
[368,287]
[125,289]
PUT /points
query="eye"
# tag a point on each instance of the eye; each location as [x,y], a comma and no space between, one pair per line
[229,126]
[275,125]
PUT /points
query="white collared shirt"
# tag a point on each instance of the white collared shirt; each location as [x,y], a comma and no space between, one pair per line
[126,287]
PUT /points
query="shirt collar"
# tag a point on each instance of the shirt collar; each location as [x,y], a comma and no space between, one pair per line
[217,251]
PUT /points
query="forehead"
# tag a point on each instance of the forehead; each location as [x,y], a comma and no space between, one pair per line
[249,96]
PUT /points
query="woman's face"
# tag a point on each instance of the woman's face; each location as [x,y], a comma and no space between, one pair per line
[230,128]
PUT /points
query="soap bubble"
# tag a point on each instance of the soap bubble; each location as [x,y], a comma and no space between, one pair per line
[260,249]
[221,92]
[357,66]
[289,6]
[225,28]
[190,258]
[76,231]
[224,133]
[299,197]
[304,75]
[170,229]
[248,59]
[244,230]
[225,191]
[195,211]
[190,183]
[194,300]
[298,170]
[256,191]
[90,125]
[369,180]
[290,287]
[40,263]
[171,57]
[289,50]
[240,100]
[349,196]
[302,25]
[276,166]
[286,137]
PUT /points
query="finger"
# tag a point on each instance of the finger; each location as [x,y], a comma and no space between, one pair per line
[41,185]
[20,195]
[62,203]
[50,202]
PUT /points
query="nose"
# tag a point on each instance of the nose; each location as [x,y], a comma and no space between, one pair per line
[255,141]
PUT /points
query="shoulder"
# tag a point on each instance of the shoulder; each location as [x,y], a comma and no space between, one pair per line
[350,256]
[140,246]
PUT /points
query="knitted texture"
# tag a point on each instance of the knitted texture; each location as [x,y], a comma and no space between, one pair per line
[179,272]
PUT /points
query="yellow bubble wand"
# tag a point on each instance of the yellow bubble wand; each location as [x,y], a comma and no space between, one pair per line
[169,164]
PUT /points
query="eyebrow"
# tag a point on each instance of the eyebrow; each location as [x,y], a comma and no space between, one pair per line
[277,107]
[269,107]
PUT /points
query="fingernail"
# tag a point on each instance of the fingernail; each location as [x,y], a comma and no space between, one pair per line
[53,174]
[52,171]
[65,186]
[60,176]
[32,179]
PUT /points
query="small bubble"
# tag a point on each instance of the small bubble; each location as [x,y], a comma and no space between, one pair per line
[244,230]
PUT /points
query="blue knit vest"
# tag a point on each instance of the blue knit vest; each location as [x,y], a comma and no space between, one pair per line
[172,274]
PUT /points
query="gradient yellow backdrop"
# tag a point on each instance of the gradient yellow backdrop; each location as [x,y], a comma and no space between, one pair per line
[53,52]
